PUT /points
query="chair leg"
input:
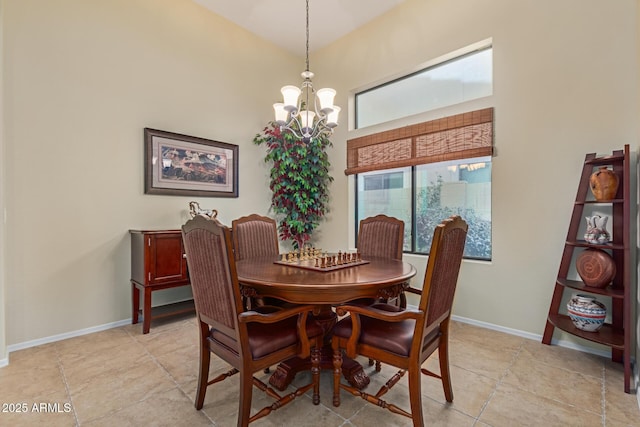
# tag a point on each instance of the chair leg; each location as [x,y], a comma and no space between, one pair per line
[445,374]
[205,358]
[337,372]
[246,389]
[315,371]
[415,397]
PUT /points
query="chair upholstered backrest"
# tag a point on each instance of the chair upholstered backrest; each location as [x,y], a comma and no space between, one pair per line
[381,236]
[255,236]
[441,275]
[207,245]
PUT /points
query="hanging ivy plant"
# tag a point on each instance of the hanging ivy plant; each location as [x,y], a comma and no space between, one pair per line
[299,181]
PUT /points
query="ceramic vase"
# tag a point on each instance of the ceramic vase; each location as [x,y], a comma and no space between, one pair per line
[604,184]
[586,312]
[595,267]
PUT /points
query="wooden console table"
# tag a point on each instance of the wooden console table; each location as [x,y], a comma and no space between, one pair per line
[157,262]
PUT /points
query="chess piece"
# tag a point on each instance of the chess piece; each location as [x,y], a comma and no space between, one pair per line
[339,257]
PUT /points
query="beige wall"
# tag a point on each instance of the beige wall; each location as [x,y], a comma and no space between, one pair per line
[565,84]
[82,79]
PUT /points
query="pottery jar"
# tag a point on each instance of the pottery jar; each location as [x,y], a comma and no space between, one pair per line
[604,184]
[596,267]
[586,312]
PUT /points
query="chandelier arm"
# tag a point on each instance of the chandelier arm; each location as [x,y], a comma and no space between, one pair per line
[292,130]
[320,128]
[289,126]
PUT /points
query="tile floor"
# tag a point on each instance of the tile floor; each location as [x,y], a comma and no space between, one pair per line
[120,377]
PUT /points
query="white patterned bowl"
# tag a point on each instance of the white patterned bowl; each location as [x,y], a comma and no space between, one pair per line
[586,312]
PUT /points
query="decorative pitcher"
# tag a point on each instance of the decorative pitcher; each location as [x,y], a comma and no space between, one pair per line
[597,230]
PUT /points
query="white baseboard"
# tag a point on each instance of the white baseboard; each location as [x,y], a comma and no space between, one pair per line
[60,337]
[4,362]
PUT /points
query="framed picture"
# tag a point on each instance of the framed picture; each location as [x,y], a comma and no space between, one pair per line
[183,165]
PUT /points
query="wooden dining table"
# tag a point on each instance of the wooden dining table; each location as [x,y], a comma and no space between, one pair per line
[324,288]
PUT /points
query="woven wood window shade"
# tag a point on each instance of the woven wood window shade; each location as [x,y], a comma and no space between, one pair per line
[456,137]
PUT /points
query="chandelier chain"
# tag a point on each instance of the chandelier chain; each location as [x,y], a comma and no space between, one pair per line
[307,35]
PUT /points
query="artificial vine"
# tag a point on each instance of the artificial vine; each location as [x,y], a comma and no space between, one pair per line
[299,181]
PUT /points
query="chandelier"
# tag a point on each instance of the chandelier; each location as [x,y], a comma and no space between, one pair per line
[295,115]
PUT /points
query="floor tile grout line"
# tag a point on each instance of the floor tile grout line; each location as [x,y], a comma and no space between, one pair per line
[555,400]
[155,360]
[324,405]
[603,401]
[105,416]
[66,384]
[500,380]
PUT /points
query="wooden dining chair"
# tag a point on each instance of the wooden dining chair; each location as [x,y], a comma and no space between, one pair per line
[256,236]
[381,236]
[247,340]
[405,338]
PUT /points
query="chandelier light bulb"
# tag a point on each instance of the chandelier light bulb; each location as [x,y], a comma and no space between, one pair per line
[290,95]
[306,120]
[332,117]
[281,113]
[325,96]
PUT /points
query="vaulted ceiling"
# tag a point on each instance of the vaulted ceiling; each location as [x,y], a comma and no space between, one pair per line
[283,21]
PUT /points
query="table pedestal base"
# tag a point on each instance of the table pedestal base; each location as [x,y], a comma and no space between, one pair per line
[287,370]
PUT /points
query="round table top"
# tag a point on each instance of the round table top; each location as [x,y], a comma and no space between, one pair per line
[304,286]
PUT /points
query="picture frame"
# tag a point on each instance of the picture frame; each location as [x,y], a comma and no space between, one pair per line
[183,165]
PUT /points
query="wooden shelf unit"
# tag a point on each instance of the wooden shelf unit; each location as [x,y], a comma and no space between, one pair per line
[617,333]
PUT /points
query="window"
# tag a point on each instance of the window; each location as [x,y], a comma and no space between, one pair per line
[462,78]
[459,187]
[425,172]
[439,190]
[386,192]
[384,181]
